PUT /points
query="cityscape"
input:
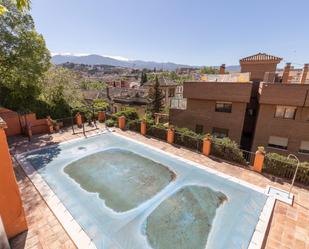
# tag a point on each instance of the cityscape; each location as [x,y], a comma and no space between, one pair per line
[102,151]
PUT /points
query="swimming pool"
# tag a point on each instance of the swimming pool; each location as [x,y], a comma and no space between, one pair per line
[124,194]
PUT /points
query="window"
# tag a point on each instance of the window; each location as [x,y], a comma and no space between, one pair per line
[304,147]
[171,92]
[220,132]
[199,129]
[224,107]
[287,112]
[278,142]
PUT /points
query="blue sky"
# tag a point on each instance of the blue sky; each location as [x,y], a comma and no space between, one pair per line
[195,32]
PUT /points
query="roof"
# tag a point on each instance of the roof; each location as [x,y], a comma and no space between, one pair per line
[162,81]
[128,95]
[261,57]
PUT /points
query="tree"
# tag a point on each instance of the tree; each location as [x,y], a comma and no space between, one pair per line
[155,98]
[24,59]
[209,70]
[143,78]
[61,84]
[20,4]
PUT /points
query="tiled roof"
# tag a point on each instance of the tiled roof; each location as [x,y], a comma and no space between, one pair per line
[261,57]
[162,81]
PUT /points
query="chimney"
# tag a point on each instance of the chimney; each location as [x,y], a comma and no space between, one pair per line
[286,72]
[305,73]
[222,69]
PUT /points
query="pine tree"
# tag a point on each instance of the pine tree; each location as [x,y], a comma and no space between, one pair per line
[155,98]
[143,78]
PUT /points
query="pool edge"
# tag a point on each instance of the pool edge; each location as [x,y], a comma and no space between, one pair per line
[80,237]
[76,233]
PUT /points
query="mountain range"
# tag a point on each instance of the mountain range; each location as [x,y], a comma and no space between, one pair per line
[95,59]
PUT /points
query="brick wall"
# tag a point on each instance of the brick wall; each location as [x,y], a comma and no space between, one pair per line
[202,112]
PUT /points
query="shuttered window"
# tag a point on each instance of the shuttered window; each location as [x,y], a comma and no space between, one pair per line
[304,147]
[278,142]
[287,112]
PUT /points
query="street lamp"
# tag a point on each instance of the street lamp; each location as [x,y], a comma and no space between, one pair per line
[298,163]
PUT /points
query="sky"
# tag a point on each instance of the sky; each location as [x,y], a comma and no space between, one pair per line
[194,32]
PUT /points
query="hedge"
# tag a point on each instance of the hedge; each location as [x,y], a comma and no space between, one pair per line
[158,131]
[227,149]
[281,166]
[194,142]
[110,123]
[129,112]
[134,125]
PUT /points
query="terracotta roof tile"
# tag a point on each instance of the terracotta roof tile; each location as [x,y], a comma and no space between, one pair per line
[261,57]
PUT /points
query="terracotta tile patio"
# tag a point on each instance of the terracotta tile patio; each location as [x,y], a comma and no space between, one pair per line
[289,228]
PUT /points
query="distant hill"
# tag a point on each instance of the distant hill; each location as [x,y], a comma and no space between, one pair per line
[139,64]
[103,60]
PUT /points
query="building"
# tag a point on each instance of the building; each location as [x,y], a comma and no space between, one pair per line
[135,98]
[269,109]
[282,123]
[167,86]
[216,106]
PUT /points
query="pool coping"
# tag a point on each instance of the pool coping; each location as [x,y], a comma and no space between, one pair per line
[81,239]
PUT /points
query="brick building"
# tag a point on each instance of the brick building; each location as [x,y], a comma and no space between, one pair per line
[271,109]
[214,107]
[282,123]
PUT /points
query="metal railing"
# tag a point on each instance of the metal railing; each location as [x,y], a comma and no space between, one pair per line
[232,153]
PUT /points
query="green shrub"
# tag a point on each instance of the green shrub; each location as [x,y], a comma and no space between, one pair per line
[149,119]
[129,112]
[188,132]
[110,123]
[227,149]
[134,125]
[281,166]
[100,104]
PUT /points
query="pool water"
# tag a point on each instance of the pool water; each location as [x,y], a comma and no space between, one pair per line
[128,195]
[118,174]
[184,220]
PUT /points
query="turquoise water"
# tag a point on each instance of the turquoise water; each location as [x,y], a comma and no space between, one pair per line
[129,196]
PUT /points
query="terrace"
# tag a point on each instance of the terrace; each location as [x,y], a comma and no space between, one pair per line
[288,227]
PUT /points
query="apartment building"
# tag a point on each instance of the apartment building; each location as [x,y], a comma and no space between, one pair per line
[270,109]
[282,123]
[216,107]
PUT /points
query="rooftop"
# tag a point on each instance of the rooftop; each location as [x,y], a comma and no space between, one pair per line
[261,57]
[162,81]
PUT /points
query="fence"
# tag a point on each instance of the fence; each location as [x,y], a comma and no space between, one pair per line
[232,153]
[160,133]
[286,170]
[134,125]
[187,141]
